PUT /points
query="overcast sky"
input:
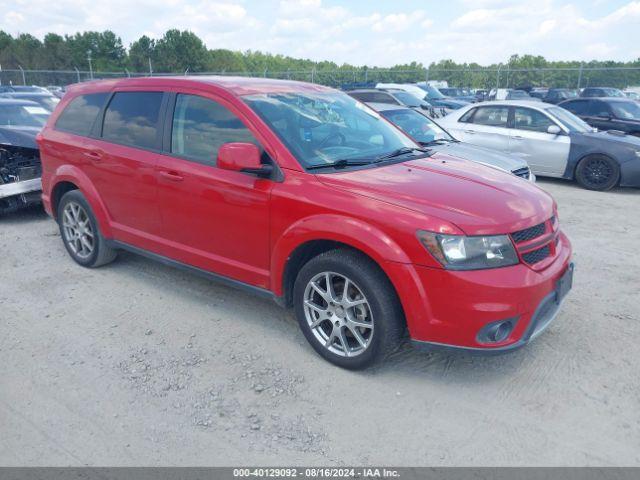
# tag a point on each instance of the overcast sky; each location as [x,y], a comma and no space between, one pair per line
[372,32]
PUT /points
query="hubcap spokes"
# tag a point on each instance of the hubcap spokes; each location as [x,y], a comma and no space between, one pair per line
[598,172]
[77,229]
[338,314]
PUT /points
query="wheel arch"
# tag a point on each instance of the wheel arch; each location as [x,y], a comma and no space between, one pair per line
[68,178]
[313,236]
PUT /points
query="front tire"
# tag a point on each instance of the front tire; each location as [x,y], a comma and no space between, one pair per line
[80,233]
[598,172]
[348,309]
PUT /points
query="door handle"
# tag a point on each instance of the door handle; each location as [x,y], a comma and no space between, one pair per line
[93,155]
[517,137]
[171,176]
[469,131]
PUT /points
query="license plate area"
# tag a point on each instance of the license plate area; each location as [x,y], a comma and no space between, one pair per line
[564,284]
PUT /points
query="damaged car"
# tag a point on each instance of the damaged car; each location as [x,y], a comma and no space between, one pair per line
[20,169]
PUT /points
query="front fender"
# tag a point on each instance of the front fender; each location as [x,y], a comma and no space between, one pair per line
[348,230]
[70,173]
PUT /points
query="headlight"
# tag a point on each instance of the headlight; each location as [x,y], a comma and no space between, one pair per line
[459,252]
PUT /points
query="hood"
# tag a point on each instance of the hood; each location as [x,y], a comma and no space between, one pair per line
[477,199]
[618,138]
[19,136]
[482,155]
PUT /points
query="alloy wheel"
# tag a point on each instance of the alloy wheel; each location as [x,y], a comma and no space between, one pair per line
[597,172]
[78,231]
[338,314]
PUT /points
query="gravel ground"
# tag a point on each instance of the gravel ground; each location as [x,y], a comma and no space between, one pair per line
[140,364]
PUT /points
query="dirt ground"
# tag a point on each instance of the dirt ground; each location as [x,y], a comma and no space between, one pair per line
[137,363]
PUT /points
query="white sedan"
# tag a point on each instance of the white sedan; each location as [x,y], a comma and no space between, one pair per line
[553,141]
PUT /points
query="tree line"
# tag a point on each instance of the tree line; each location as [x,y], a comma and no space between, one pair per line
[183,51]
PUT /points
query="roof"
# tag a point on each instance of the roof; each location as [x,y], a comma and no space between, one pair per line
[235,85]
[514,103]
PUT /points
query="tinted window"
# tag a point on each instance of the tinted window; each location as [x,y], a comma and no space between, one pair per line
[201,126]
[132,118]
[626,110]
[491,116]
[579,107]
[532,120]
[598,109]
[80,114]
[377,97]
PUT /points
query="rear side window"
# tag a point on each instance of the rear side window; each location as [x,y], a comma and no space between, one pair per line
[201,126]
[579,107]
[491,116]
[598,109]
[80,114]
[133,118]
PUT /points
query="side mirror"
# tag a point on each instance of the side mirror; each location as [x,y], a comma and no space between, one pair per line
[554,130]
[243,157]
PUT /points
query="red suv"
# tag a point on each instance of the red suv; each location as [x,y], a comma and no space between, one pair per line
[300,193]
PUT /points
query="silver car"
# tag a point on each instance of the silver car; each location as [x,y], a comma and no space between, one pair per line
[429,134]
[553,141]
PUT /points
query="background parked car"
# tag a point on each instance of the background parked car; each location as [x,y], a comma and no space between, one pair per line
[538,92]
[553,141]
[20,122]
[429,134]
[591,92]
[632,94]
[510,94]
[557,95]
[43,98]
[458,94]
[437,99]
[620,114]
[394,96]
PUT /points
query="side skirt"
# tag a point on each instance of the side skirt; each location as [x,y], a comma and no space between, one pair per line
[230,282]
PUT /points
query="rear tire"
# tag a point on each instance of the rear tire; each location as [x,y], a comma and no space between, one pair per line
[598,172]
[353,330]
[80,233]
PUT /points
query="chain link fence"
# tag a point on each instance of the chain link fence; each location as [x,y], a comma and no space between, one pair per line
[487,78]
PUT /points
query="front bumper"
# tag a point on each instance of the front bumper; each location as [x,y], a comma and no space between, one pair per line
[18,188]
[546,312]
[449,308]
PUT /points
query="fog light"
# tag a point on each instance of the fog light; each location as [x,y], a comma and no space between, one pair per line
[496,332]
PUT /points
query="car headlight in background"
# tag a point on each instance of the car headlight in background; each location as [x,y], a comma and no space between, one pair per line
[459,252]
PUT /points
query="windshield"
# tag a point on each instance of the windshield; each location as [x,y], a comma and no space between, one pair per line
[567,94]
[416,125]
[408,99]
[613,92]
[432,92]
[323,128]
[23,115]
[569,120]
[626,110]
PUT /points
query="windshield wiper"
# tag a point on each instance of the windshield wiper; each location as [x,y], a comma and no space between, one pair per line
[401,151]
[342,163]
